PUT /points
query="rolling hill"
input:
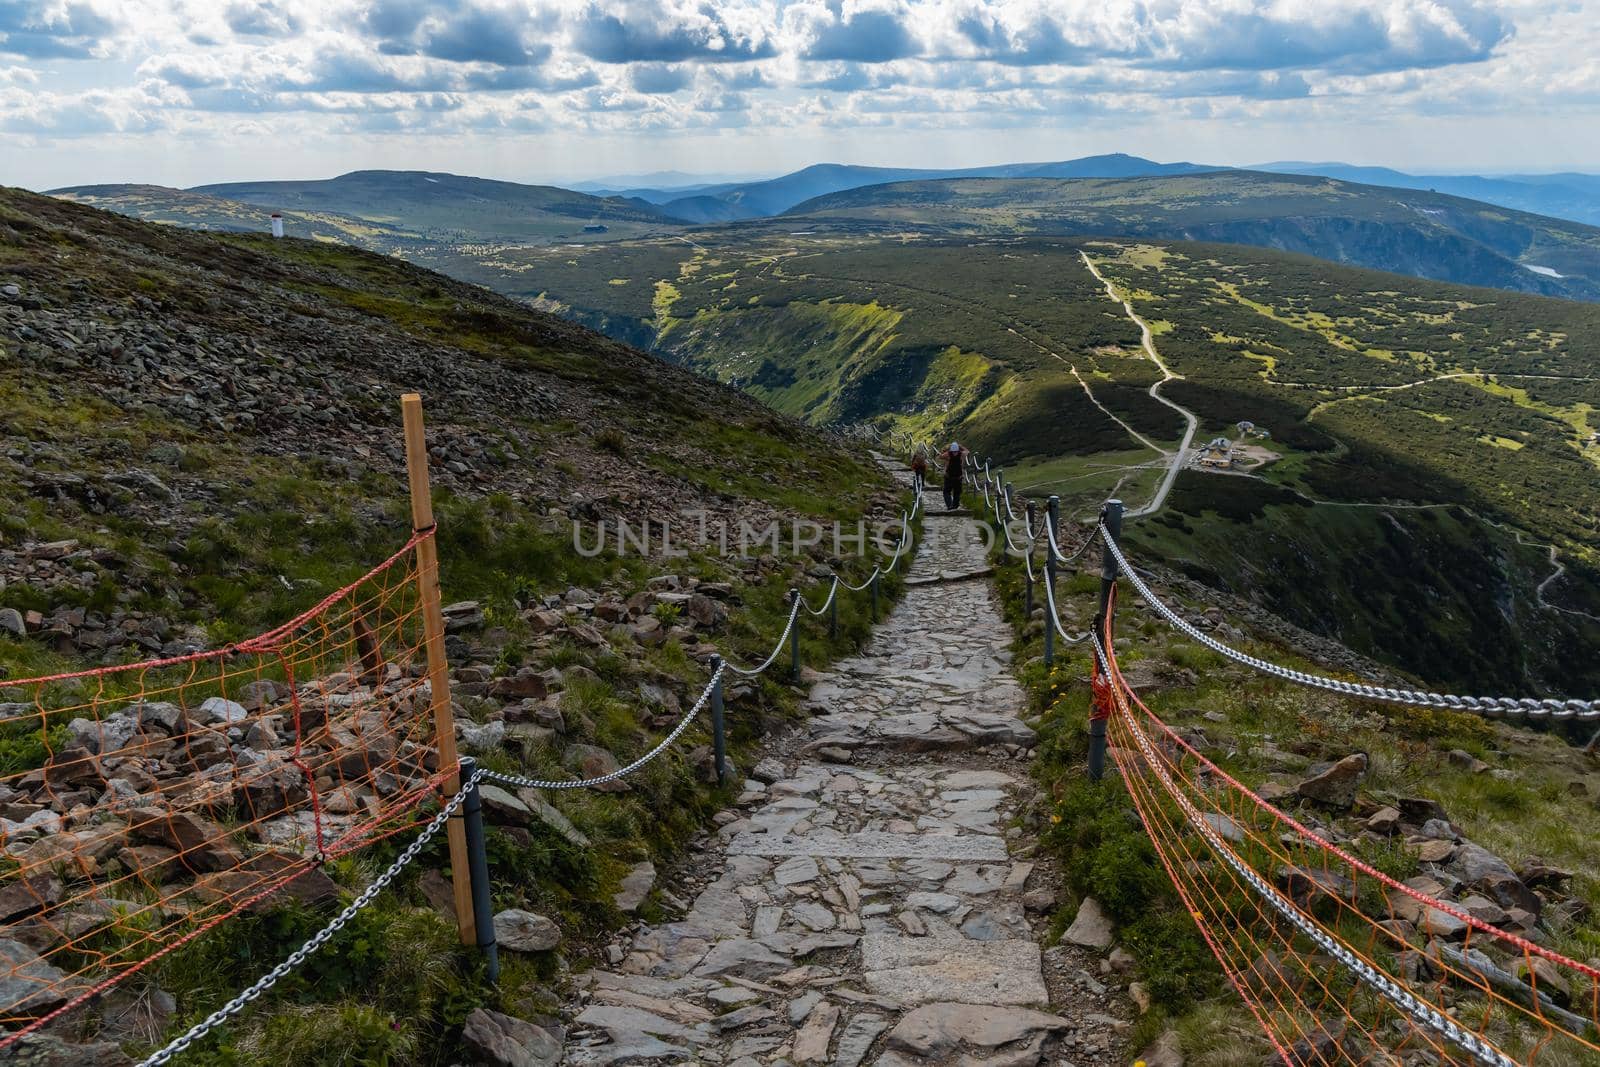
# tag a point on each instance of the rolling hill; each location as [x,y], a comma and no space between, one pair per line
[1565,196]
[449,206]
[1428,425]
[179,207]
[749,200]
[1424,234]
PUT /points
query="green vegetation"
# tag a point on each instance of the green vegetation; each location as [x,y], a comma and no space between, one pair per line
[535,423]
[1012,346]
[1411,231]
[1534,801]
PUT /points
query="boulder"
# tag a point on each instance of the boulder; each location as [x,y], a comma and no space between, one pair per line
[1335,785]
[29,894]
[525,684]
[223,710]
[204,845]
[1545,977]
[591,761]
[1091,927]
[27,983]
[524,931]
[503,1041]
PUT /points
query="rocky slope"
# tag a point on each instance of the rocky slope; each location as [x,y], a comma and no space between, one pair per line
[201,436]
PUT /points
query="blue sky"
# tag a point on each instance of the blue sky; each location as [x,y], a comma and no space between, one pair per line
[188,91]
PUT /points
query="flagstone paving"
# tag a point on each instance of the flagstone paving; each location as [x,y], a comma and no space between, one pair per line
[867,903]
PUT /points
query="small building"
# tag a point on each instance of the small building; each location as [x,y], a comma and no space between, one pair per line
[1218,453]
[1245,426]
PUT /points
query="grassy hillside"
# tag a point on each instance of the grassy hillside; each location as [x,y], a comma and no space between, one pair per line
[201,211]
[749,200]
[1417,427]
[201,438]
[1425,234]
[449,206]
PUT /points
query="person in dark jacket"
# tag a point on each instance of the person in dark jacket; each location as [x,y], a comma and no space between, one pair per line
[954,467]
[919,467]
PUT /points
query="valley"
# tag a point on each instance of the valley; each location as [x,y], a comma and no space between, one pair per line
[1420,428]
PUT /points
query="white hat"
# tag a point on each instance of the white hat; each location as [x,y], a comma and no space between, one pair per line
[954,447]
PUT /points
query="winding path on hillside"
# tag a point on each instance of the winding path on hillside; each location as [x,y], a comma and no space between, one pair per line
[866,903]
[1179,458]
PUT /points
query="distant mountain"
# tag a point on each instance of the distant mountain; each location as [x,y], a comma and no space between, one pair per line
[751,200]
[201,211]
[1424,234]
[660,181]
[1564,196]
[442,205]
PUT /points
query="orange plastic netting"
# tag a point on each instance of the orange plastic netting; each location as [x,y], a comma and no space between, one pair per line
[176,793]
[1338,962]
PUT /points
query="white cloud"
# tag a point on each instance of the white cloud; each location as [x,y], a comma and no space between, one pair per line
[395,72]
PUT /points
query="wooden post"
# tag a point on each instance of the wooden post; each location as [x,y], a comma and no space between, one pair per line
[438,668]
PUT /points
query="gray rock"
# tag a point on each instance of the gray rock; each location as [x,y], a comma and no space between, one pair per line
[796,871]
[502,1041]
[104,735]
[635,887]
[1335,786]
[920,970]
[1091,927]
[157,713]
[768,771]
[221,709]
[27,983]
[524,931]
[933,1032]
[856,1040]
[11,622]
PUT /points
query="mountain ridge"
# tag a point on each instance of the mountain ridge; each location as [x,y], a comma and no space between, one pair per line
[1424,234]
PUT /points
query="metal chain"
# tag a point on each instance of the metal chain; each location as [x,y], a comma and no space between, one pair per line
[751,672]
[1419,1010]
[833,591]
[1062,557]
[621,772]
[1489,707]
[1055,619]
[320,938]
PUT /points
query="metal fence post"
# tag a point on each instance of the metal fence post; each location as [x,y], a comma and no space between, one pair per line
[478,869]
[874,596]
[794,635]
[833,612]
[1052,509]
[719,736]
[1111,518]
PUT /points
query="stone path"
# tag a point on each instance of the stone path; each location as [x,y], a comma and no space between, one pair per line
[867,902]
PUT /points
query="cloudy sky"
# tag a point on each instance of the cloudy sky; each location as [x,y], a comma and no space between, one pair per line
[182,92]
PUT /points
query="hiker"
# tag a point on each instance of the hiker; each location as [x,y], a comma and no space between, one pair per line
[919,468]
[953,469]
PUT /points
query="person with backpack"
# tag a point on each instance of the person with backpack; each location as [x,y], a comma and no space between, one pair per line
[919,467]
[953,458]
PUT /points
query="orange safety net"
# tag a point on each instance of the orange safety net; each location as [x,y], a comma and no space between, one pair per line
[1338,962]
[177,793]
